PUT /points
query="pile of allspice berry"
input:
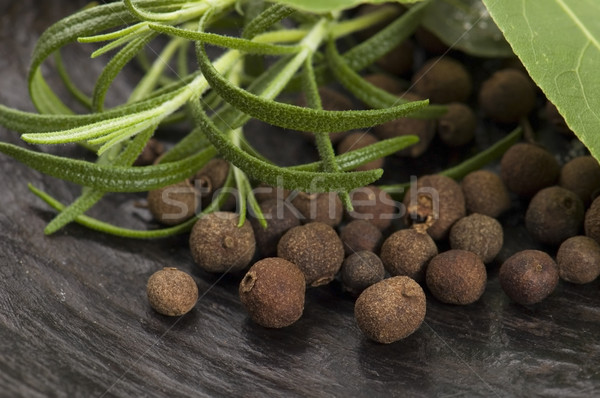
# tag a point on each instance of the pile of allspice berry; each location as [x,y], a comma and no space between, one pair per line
[441,237]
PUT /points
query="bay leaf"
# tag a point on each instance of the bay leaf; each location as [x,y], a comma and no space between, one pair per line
[558,42]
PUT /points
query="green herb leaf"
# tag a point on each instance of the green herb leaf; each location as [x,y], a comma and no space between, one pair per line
[322,6]
[296,117]
[266,19]
[235,43]
[279,176]
[562,61]
[109,178]
[466,25]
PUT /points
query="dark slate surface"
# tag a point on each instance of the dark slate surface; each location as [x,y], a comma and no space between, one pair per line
[74,320]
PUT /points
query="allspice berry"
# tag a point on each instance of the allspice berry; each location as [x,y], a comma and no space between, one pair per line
[172,292]
[356,140]
[361,270]
[173,204]
[457,126]
[507,96]
[554,214]
[557,119]
[443,80]
[434,205]
[390,310]
[407,252]
[582,176]
[272,291]
[280,218]
[373,205]
[359,235]
[325,207]
[578,260]
[592,221]
[152,151]
[399,60]
[316,249]
[219,245]
[477,233]
[386,82]
[456,277]
[422,128]
[529,276]
[210,178]
[527,168]
[485,193]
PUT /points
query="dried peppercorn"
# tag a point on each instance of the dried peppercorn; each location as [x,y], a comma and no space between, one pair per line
[172,292]
[390,310]
[527,168]
[280,218]
[456,277]
[325,207]
[407,252]
[219,245]
[316,249]
[578,260]
[173,204]
[507,96]
[477,233]
[435,205]
[592,220]
[443,80]
[361,270]
[272,291]
[457,126]
[528,276]
[359,235]
[485,193]
[554,214]
[373,205]
[582,176]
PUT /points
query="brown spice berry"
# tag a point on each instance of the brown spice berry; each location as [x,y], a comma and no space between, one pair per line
[399,60]
[390,310]
[361,270]
[554,214]
[150,153]
[582,176]
[273,292]
[528,276]
[443,80]
[435,205]
[507,96]
[211,178]
[422,128]
[430,42]
[356,140]
[479,234]
[373,205]
[359,235]
[578,260]
[456,277]
[325,207]
[485,193]
[316,249]
[280,218]
[407,252]
[457,126]
[173,204]
[172,292]
[386,82]
[592,221]
[219,245]
[527,168]
[557,119]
